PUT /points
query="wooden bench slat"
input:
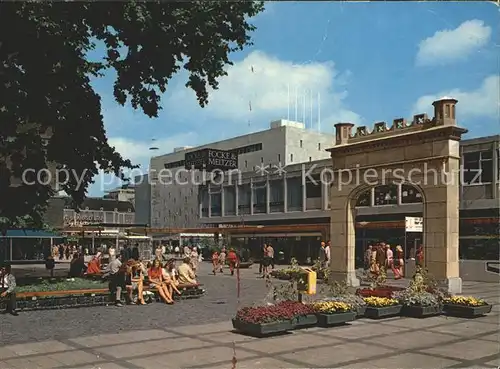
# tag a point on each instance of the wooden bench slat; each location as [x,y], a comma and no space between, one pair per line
[59,293]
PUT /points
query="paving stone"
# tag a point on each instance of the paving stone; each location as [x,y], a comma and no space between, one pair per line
[466,328]
[120,338]
[189,358]
[204,329]
[315,357]
[104,365]
[288,343]
[409,361]
[416,339]
[228,337]
[360,331]
[73,358]
[404,322]
[151,348]
[494,363]
[258,363]
[36,348]
[495,337]
[5,353]
[46,362]
[20,363]
[468,350]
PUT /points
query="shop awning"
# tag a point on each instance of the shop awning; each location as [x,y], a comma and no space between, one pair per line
[26,233]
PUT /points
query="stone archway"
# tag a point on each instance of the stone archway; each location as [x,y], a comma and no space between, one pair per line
[424,153]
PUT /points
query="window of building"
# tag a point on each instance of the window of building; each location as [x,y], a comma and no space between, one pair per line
[477,167]
[310,158]
[386,195]
[319,146]
[291,157]
[261,159]
[300,143]
[279,158]
[365,198]
[313,187]
[410,194]
[246,164]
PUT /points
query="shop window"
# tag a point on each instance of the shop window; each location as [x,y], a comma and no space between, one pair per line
[410,195]
[365,198]
[386,195]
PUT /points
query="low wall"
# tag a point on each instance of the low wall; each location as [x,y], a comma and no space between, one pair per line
[470,270]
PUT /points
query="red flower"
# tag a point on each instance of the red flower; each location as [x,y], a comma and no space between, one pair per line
[286,310]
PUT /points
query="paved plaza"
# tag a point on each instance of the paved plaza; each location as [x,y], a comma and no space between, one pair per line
[198,334]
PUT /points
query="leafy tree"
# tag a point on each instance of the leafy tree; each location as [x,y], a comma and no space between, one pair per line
[50,116]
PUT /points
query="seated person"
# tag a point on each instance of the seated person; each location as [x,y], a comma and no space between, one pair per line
[170,279]
[77,266]
[94,266]
[186,273]
[156,280]
[134,282]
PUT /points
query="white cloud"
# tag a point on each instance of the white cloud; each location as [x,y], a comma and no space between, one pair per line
[139,153]
[451,45]
[482,102]
[257,88]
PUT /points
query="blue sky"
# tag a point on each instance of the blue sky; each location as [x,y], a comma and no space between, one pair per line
[363,62]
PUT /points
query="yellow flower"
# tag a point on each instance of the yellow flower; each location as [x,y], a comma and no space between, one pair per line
[332,307]
[380,301]
[465,301]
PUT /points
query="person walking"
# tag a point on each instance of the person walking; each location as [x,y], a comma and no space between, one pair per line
[232,258]
[222,259]
[367,258]
[270,255]
[327,254]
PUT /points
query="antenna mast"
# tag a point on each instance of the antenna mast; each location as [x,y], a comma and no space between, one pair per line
[296,103]
[311,96]
[288,102]
[304,108]
[319,113]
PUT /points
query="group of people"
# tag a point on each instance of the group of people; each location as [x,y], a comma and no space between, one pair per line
[133,275]
[380,257]
[219,260]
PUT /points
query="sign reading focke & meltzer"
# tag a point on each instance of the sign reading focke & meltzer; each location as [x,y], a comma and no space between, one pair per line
[211,159]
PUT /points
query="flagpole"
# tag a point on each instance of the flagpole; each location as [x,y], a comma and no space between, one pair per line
[288,103]
[304,108]
[319,112]
[296,103]
[311,96]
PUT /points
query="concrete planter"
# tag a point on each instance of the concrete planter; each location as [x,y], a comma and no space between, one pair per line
[415,311]
[60,302]
[262,330]
[360,311]
[462,311]
[382,312]
[328,320]
[305,321]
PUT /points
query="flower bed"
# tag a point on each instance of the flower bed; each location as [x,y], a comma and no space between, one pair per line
[334,313]
[381,307]
[418,302]
[68,284]
[466,307]
[285,274]
[264,320]
[382,291]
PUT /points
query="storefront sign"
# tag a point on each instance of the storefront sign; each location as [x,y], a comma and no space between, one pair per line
[211,159]
[414,224]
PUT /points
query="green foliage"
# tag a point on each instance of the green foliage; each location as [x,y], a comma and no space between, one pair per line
[50,114]
[69,284]
[339,291]
[377,280]
[422,291]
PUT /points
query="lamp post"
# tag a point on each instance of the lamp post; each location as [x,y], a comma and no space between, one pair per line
[154,192]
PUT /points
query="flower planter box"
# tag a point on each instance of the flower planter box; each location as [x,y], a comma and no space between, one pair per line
[262,330]
[360,311]
[462,311]
[327,320]
[382,312]
[305,321]
[415,311]
[385,291]
[60,302]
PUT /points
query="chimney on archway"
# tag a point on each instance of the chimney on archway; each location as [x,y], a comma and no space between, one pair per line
[343,133]
[444,111]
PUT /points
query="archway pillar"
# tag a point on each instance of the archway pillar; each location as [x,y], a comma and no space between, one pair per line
[342,237]
[441,228]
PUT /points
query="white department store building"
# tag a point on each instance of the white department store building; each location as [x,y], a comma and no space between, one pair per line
[178,205]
